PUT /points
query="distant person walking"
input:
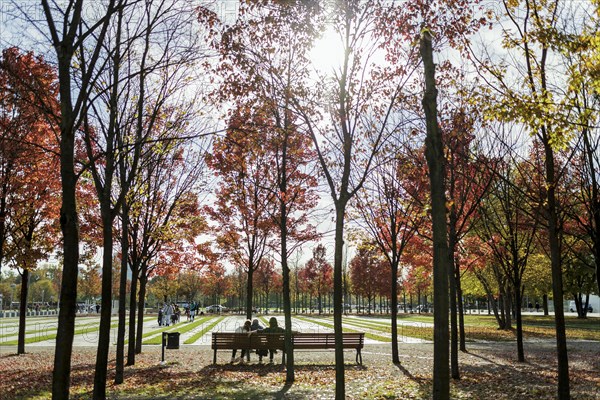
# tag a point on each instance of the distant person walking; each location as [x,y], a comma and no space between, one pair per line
[167,312]
[192,311]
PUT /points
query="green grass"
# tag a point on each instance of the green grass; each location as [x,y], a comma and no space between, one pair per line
[418,332]
[369,335]
[198,335]
[32,331]
[181,328]
[484,327]
[82,329]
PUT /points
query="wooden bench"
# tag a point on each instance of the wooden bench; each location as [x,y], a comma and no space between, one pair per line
[275,341]
[244,341]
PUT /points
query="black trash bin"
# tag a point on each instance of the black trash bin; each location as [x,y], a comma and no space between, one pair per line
[173,340]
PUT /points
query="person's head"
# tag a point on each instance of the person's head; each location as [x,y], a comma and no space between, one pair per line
[273,322]
[247,325]
[255,322]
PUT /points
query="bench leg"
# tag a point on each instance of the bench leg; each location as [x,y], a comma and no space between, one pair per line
[215,357]
[358,357]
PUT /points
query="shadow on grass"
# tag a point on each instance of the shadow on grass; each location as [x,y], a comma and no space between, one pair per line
[283,391]
[482,358]
[409,375]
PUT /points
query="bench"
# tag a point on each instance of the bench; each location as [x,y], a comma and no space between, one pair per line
[245,341]
[275,341]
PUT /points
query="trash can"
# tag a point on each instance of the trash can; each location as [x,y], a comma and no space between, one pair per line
[173,340]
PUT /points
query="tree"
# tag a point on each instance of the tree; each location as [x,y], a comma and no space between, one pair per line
[391,216]
[417,259]
[348,115]
[523,91]
[365,272]
[90,283]
[76,31]
[165,217]
[277,36]
[509,229]
[582,60]
[29,167]
[579,276]
[265,279]
[468,179]
[318,272]
[241,211]
[434,152]
[190,285]
[214,282]
[152,107]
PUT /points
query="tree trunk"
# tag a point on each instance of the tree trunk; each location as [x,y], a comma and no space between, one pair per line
[507,309]
[287,306]
[249,293]
[340,381]
[141,306]
[461,311]
[453,324]
[61,375]
[395,355]
[23,311]
[557,283]
[453,297]
[518,301]
[434,152]
[120,357]
[132,314]
[105,311]
[494,307]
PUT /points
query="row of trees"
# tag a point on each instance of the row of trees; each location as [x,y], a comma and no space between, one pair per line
[118,127]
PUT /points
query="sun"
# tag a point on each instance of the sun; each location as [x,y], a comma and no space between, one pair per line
[327,53]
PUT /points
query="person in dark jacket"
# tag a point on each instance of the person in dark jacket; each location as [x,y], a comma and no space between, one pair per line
[256,326]
[273,328]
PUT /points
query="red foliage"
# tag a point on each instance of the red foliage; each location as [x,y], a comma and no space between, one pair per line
[370,273]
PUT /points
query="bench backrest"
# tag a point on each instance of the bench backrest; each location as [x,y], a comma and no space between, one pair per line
[327,340]
[258,340]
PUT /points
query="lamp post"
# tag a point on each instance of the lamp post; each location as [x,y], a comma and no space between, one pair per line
[43,290]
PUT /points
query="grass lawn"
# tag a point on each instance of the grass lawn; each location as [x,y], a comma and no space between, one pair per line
[484,327]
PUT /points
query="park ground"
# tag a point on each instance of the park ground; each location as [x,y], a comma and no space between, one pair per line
[489,369]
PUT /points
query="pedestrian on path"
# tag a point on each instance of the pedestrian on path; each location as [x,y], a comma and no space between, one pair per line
[167,312]
[192,310]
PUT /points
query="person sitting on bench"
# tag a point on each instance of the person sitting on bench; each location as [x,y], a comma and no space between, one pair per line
[273,328]
[241,329]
